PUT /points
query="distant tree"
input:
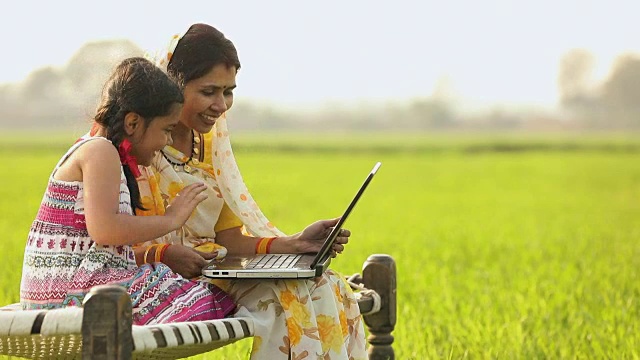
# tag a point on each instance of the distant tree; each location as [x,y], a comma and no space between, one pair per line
[428,113]
[614,104]
[621,91]
[622,88]
[65,96]
[89,68]
[10,109]
[40,99]
[575,82]
[41,85]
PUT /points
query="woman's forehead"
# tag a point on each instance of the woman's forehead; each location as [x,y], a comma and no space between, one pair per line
[221,76]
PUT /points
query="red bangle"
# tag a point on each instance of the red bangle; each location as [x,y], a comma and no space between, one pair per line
[160,252]
[263,246]
[163,251]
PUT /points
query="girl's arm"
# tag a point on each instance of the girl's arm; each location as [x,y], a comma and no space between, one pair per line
[100,166]
[181,259]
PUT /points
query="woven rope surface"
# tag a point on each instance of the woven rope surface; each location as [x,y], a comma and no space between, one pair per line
[56,334]
[42,347]
[70,347]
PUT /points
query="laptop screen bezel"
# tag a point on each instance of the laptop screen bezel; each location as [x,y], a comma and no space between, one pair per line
[325,250]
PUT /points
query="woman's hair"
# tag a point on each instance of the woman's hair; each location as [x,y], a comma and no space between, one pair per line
[201,48]
[140,87]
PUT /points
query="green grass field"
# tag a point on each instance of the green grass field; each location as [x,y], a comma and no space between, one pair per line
[507,247]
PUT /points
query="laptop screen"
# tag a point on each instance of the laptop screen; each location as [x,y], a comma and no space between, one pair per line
[325,251]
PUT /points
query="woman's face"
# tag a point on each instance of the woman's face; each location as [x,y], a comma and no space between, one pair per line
[208,97]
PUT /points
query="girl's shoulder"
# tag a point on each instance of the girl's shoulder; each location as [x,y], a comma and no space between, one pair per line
[96,145]
[97,150]
[86,152]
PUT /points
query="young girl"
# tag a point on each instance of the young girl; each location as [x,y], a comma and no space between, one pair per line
[84,229]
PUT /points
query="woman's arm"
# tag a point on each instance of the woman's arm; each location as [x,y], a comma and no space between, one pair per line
[100,166]
[308,241]
[237,243]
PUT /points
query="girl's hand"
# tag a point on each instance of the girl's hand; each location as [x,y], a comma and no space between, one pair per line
[186,261]
[310,240]
[184,203]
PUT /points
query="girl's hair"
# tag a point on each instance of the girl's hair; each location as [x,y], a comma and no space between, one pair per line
[201,48]
[140,87]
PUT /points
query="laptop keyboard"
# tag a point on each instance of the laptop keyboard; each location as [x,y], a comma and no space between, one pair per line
[274,261]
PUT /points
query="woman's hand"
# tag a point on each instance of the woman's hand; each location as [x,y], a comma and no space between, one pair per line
[310,240]
[186,261]
[184,203]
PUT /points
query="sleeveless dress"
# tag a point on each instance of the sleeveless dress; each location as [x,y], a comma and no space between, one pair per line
[62,263]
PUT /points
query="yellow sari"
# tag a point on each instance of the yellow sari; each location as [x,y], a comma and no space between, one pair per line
[300,319]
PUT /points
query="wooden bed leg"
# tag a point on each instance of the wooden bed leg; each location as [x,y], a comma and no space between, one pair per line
[106,324]
[379,274]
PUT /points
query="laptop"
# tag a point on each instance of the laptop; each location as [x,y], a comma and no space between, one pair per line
[285,266]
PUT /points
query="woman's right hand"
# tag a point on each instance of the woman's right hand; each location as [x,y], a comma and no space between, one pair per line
[186,261]
[184,203]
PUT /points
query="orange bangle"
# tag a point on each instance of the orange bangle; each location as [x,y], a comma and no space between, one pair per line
[146,252]
[269,245]
[156,253]
[160,252]
[263,246]
[258,246]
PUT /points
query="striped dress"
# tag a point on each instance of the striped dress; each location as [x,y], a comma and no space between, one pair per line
[62,263]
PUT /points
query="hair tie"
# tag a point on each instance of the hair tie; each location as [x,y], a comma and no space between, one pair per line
[94,128]
[124,149]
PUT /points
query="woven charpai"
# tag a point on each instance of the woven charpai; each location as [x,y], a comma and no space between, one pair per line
[56,334]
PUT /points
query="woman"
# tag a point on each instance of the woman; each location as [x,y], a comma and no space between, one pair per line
[293,318]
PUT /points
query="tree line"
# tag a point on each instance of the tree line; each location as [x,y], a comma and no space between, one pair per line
[66,97]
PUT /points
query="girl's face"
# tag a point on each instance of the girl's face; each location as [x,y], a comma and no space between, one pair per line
[208,97]
[148,141]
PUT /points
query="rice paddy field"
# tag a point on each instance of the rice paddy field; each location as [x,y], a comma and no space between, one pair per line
[507,246]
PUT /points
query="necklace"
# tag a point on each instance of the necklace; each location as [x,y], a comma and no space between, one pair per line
[195,150]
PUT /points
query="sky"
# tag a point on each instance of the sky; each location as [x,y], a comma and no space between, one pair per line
[301,53]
